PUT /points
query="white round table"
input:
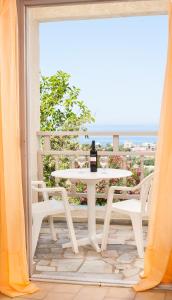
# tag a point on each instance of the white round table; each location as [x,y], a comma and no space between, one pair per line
[90,178]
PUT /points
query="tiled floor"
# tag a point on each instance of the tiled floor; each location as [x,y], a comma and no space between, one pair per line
[119,264]
[55,291]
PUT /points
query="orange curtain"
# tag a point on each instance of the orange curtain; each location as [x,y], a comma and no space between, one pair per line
[14,279]
[158,257]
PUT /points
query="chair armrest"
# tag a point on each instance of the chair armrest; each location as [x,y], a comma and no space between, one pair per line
[49,189]
[46,190]
[112,189]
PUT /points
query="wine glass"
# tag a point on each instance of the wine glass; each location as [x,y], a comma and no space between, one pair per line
[81,161]
[103,162]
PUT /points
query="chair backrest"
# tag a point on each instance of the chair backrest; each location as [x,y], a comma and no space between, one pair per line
[37,186]
[145,193]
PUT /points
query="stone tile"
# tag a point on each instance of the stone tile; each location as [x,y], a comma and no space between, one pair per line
[66,288]
[110,261]
[139,263]
[45,239]
[109,254]
[68,253]
[66,265]
[131,272]
[45,250]
[44,230]
[44,262]
[121,293]
[122,235]
[91,254]
[48,256]
[45,268]
[150,296]
[126,258]
[122,267]
[57,251]
[45,245]
[116,240]
[95,266]
[130,242]
[91,293]
[59,296]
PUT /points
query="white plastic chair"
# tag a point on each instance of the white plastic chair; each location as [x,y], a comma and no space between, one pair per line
[50,208]
[135,208]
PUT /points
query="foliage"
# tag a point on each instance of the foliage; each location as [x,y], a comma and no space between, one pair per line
[48,168]
[61,108]
[149,162]
[115,162]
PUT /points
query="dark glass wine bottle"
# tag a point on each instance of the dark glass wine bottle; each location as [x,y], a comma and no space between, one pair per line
[93,158]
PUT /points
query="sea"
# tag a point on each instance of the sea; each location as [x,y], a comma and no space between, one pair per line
[136,140]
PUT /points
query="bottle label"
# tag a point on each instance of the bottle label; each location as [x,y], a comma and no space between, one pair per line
[92,158]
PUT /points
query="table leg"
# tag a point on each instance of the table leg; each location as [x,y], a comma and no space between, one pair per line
[92,238]
[91,202]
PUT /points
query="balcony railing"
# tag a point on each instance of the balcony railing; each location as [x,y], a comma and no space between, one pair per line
[45,149]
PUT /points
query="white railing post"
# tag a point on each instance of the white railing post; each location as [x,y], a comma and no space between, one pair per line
[115,143]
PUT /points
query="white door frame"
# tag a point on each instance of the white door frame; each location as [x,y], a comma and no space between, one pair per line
[38,14]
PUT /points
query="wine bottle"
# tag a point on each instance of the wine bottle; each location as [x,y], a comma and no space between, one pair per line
[93,158]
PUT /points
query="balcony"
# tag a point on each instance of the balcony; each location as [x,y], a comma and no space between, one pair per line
[120,263]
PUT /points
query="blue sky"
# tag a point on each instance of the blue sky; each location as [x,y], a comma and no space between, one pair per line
[118,63]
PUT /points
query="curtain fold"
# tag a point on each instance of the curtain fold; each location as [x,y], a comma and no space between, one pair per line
[14,280]
[158,256]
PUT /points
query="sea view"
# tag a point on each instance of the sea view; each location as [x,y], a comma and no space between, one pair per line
[137,140]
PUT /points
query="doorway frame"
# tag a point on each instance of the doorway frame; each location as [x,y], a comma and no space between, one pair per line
[29,21]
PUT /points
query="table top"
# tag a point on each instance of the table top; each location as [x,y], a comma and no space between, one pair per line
[85,174]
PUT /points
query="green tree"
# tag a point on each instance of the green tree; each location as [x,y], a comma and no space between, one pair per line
[61,108]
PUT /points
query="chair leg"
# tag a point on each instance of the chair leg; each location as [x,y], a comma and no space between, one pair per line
[138,233]
[52,229]
[106,228]
[36,226]
[71,230]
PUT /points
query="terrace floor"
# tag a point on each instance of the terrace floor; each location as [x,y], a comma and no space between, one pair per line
[119,264]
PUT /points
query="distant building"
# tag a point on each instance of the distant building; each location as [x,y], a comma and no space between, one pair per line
[128,145]
[139,148]
[144,147]
[149,146]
